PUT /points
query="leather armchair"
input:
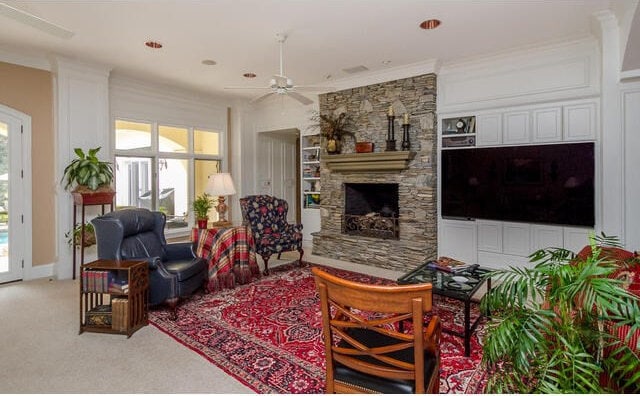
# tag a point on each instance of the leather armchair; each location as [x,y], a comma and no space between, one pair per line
[266,216]
[174,270]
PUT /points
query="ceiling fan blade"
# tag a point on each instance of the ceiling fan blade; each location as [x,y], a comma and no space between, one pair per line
[247,88]
[263,97]
[312,88]
[35,21]
[300,98]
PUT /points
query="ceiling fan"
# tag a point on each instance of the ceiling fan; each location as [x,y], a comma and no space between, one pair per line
[34,21]
[281,84]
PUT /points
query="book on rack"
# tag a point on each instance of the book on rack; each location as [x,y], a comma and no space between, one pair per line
[120,308]
[119,286]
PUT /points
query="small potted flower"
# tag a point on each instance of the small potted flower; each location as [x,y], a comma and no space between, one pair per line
[201,207]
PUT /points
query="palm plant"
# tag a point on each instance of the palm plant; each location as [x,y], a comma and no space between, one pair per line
[548,330]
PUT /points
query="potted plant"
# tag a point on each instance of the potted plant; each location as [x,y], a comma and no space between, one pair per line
[84,240]
[201,207]
[87,173]
[551,326]
[333,128]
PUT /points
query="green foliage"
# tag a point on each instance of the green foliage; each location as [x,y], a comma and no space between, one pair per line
[547,330]
[332,127]
[87,170]
[88,239]
[201,206]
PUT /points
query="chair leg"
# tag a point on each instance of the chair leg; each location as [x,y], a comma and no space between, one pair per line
[173,307]
[266,264]
[279,254]
[301,250]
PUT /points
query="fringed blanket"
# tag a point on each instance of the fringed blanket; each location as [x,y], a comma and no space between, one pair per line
[230,254]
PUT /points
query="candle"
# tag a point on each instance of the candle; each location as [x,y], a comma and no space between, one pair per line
[391,110]
[406,118]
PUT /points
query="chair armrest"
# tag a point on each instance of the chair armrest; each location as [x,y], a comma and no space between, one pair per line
[293,228]
[180,250]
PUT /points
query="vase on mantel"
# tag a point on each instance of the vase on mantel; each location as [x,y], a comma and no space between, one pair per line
[333,146]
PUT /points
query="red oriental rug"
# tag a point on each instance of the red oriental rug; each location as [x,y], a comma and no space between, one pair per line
[267,334]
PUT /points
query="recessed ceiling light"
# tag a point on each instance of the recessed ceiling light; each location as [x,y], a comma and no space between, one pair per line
[153,44]
[430,24]
[386,62]
[209,62]
[249,75]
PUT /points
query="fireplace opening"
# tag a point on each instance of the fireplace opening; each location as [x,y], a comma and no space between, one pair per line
[371,209]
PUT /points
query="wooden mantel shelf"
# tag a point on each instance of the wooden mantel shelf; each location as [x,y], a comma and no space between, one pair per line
[386,161]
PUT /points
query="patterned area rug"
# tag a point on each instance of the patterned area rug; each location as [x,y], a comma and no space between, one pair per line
[267,334]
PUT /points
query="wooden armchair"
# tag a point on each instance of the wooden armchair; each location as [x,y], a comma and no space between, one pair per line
[367,347]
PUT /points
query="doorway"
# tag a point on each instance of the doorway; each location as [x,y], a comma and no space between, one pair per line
[15,132]
[278,168]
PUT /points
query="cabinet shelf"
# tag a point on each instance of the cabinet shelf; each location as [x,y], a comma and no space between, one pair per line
[116,312]
[311,148]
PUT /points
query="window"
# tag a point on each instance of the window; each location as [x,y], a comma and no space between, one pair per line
[163,167]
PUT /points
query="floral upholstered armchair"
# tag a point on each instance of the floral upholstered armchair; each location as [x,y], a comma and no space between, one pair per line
[266,216]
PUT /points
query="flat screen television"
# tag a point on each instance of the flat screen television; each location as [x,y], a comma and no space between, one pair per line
[547,184]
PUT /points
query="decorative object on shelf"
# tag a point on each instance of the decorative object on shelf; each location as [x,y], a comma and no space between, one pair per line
[364,147]
[201,206]
[391,139]
[461,125]
[87,172]
[406,145]
[333,128]
[572,315]
[221,185]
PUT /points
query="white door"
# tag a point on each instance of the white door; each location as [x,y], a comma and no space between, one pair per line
[13,127]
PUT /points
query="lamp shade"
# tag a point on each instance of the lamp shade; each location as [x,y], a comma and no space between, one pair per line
[220,184]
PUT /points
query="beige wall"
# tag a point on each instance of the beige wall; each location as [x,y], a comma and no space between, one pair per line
[31,92]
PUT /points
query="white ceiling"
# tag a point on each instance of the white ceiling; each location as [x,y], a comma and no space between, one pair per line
[324,36]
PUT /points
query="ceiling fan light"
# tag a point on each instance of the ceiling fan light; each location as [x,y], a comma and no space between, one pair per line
[273,83]
[289,83]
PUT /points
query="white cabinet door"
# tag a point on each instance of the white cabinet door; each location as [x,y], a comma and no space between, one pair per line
[489,236]
[580,121]
[576,238]
[457,239]
[488,129]
[516,128]
[547,125]
[516,239]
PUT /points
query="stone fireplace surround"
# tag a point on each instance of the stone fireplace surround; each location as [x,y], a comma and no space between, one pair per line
[368,107]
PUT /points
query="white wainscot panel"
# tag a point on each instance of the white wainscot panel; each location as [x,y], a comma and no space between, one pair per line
[502,261]
[516,239]
[458,239]
[576,238]
[488,129]
[543,237]
[489,236]
[516,128]
[580,121]
[547,125]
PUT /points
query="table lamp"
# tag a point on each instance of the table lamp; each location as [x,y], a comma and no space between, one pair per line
[221,185]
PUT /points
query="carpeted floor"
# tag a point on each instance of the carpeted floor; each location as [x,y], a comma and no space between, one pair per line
[267,334]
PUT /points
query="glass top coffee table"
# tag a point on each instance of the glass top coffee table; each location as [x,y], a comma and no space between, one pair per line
[460,286]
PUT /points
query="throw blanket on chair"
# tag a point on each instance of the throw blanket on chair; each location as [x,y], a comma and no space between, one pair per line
[230,254]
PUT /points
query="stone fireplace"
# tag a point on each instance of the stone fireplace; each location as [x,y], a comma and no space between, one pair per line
[402,182]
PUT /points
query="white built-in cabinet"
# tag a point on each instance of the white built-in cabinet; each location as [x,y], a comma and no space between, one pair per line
[567,121]
[500,244]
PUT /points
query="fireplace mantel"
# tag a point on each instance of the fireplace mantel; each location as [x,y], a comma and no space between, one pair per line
[386,161]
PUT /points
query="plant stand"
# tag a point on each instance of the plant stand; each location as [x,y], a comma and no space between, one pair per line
[81,199]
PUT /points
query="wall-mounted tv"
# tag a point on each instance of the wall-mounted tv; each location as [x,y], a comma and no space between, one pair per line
[548,184]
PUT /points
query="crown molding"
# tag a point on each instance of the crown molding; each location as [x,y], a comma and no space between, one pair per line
[21,58]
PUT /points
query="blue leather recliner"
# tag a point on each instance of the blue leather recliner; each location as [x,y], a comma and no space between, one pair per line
[174,270]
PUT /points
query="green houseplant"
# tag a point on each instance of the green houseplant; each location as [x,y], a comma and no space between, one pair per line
[201,207]
[86,171]
[548,327]
[333,127]
[87,239]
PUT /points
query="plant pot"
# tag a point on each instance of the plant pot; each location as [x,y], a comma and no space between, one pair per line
[202,223]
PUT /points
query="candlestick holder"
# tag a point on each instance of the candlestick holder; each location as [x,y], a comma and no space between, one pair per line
[391,139]
[406,145]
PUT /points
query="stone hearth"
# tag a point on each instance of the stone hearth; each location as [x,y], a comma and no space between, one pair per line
[416,179]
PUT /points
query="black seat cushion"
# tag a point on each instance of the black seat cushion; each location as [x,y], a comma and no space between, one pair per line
[186,268]
[374,383]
